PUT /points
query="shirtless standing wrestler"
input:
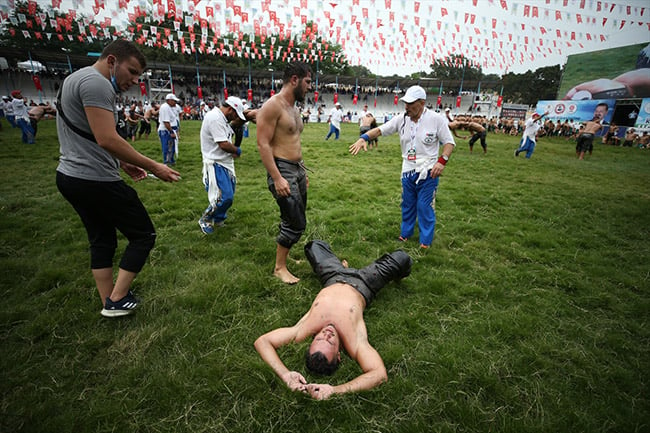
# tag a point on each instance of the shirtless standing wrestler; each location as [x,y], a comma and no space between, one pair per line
[631,137]
[279,126]
[585,140]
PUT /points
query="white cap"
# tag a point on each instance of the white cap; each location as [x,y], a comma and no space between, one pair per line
[413,94]
[172,97]
[338,104]
[236,104]
[447,109]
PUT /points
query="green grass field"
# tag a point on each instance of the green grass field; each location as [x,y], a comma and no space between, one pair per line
[530,313]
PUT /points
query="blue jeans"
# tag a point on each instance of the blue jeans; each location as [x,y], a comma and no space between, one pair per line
[417,203]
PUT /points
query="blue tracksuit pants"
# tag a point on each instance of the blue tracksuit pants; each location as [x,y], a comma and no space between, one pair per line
[527,146]
[226,183]
[168,146]
[417,204]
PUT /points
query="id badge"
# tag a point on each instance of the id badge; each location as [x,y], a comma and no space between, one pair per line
[410,155]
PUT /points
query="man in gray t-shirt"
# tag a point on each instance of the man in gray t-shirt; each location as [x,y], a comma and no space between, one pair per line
[88,174]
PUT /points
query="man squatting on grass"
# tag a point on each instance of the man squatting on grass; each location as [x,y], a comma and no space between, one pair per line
[279,125]
[334,319]
[88,174]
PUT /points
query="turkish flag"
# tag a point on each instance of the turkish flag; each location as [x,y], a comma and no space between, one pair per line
[316,96]
[37,83]
[225,93]
[458,98]
[143,88]
[395,99]
[199,92]
[336,98]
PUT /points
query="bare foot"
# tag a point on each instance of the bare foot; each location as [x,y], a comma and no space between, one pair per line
[286,276]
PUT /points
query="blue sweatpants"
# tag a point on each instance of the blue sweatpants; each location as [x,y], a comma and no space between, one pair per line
[226,182]
[168,147]
[527,146]
[417,203]
[333,130]
[28,131]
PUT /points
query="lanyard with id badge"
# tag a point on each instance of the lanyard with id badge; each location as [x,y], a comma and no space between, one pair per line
[410,154]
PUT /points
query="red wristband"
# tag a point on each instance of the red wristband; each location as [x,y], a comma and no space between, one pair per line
[442,161]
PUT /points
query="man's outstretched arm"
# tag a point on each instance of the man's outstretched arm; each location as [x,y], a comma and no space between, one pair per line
[374,374]
[267,346]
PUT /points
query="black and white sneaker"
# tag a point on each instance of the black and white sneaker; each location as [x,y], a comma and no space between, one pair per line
[123,307]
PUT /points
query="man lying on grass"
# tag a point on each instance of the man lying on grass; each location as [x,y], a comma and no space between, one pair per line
[335,318]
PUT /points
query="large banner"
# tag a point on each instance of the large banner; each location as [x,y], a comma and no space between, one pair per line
[643,117]
[617,73]
[578,111]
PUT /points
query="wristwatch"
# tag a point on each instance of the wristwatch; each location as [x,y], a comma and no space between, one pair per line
[445,157]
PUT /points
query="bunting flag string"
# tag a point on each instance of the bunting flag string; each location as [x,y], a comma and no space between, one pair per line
[493,34]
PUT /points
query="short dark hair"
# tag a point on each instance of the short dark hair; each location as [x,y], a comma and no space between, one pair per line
[317,363]
[300,69]
[123,50]
[604,104]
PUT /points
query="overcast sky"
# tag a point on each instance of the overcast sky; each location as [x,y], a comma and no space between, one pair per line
[404,36]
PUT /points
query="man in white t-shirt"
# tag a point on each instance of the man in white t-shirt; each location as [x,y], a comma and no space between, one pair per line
[426,143]
[529,139]
[219,153]
[336,116]
[168,128]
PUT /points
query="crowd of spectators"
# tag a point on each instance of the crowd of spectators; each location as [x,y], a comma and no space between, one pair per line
[213,90]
